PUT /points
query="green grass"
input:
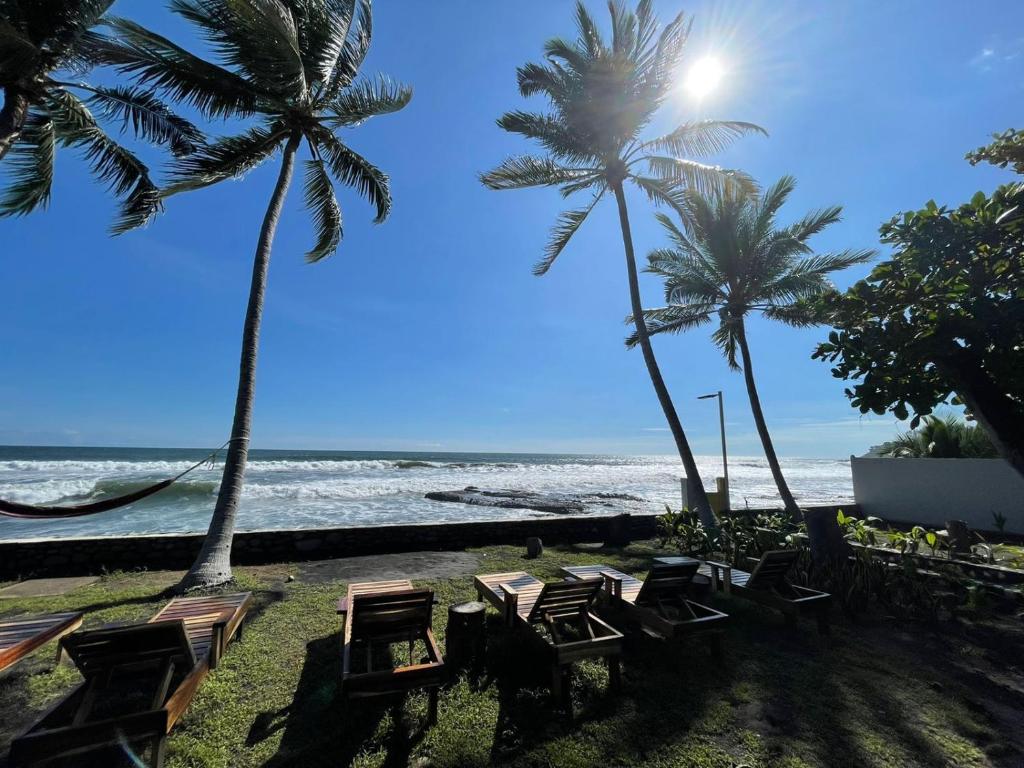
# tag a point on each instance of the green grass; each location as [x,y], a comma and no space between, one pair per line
[868,697]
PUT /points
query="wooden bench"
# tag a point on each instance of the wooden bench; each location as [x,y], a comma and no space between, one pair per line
[163,662]
[767,584]
[379,613]
[564,609]
[659,603]
[20,636]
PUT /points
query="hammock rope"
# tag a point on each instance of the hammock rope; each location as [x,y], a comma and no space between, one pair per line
[34,512]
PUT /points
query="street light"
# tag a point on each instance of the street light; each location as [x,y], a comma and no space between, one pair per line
[725,458]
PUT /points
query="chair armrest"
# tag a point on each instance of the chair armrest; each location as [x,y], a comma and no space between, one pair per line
[511,602]
[612,584]
[721,572]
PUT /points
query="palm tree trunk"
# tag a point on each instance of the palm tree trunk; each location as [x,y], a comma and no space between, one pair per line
[696,494]
[213,565]
[12,118]
[762,428]
[826,540]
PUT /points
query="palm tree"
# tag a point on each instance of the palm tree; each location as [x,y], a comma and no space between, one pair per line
[602,97]
[38,39]
[293,65]
[731,259]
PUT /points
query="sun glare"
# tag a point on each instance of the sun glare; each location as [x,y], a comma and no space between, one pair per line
[704,76]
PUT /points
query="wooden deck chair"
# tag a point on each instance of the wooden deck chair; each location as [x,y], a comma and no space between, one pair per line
[768,585]
[659,603]
[139,679]
[377,614]
[22,635]
[564,608]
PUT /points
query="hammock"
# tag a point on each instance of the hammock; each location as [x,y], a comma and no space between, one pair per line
[31,512]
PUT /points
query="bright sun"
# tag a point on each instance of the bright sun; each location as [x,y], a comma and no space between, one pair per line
[704,76]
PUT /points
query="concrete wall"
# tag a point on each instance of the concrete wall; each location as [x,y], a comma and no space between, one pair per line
[67,557]
[931,491]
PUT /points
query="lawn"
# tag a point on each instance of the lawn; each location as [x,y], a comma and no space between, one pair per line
[878,693]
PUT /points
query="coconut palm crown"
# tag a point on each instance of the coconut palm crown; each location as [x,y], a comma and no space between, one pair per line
[602,95]
[731,258]
[39,41]
[292,65]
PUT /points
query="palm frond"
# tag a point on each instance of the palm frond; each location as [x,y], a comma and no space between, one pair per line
[566,226]
[320,200]
[815,222]
[825,263]
[353,53]
[147,115]
[707,180]
[156,61]
[725,339]
[672,319]
[258,38]
[659,191]
[19,56]
[353,170]
[702,138]
[537,78]
[525,171]
[551,131]
[799,314]
[124,174]
[230,157]
[30,167]
[366,99]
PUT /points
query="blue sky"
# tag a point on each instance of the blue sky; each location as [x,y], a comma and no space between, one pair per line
[429,332]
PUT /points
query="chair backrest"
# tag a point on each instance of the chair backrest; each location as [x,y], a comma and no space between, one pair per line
[771,570]
[564,598]
[667,582]
[388,613]
[99,651]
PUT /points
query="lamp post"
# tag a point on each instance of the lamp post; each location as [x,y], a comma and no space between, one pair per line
[725,457]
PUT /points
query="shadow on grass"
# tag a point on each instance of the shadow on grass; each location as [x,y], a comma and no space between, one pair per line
[322,728]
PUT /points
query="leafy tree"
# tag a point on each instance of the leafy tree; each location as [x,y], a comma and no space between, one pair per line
[1006,149]
[38,40]
[730,259]
[293,65]
[602,96]
[943,320]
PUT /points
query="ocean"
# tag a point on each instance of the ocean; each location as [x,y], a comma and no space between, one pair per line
[307,489]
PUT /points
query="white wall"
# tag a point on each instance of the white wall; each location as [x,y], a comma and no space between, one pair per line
[932,491]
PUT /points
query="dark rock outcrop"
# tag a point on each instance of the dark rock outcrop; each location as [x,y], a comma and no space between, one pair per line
[554,503]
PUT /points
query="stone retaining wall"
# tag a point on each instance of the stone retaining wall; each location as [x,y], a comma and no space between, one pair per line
[75,557]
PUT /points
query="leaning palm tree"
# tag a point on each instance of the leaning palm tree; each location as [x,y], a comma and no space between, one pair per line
[39,41]
[731,259]
[602,97]
[293,65]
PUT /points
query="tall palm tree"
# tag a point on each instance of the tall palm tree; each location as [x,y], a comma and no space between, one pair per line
[292,65]
[731,258]
[601,99]
[38,40]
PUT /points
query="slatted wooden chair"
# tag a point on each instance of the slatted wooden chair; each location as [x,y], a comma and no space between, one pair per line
[380,613]
[139,679]
[767,583]
[21,636]
[659,603]
[565,609]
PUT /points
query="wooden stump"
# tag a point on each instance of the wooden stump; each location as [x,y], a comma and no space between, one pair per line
[466,636]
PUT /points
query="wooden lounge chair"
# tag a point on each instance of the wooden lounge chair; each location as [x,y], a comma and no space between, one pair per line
[767,584]
[139,679]
[564,608]
[20,636]
[659,603]
[379,613]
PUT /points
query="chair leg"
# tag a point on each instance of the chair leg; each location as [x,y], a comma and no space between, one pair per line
[432,707]
[717,647]
[159,748]
[824,628]
[614,674]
